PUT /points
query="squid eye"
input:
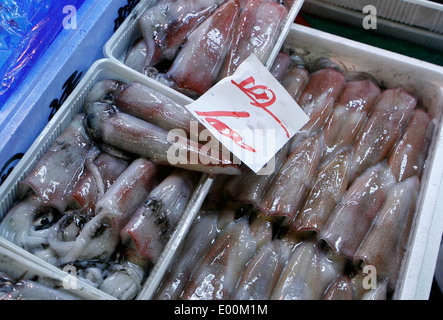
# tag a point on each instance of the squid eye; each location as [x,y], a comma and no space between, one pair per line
[45,218]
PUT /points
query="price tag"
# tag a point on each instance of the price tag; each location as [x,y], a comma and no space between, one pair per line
[250,113]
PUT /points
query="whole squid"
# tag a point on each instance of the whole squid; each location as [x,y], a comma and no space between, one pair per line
[100,233]
[287,190]
[134,135]
[328,187]
[295,80]
[256,33]
[198,63]
[340,289]
[385,244]
[349,115]
[308,273]
[216,277]
[55,174]
[352,218]
[318,100]
[197,242]
[384,127]
[408,156]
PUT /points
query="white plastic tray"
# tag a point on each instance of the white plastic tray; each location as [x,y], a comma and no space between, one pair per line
[117,46]
[9,191]
[425,81]
[417,21]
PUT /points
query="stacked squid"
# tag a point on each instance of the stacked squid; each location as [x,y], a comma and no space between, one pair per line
[190,45]
[104,197]
[341,201]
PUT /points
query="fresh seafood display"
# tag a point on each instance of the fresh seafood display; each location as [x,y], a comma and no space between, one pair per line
[337,202]
[190,45]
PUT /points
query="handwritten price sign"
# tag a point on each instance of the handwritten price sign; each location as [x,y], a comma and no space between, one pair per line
[250,113]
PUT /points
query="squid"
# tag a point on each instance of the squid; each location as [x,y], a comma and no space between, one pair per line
[197,242]
[317,100]
[308,273]
[25,289]
[99,234]
[295,80]
[384,127]
[408,156]
[165,27]
[128,133]
[95,181]
[216,276]
[286,192]
[55,174]
[385,244]
[340,289]
[328,187]
[353,216]
[262,272]
[256,33]
[349,115]
[196,67]
[280,66]
[104,91]
[147,104]
[27,223]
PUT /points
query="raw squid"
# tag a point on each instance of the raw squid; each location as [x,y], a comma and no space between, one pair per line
[328,187]
[166,26]
[353,216]
[217,275]
[385,243]
[140,137]
[24,289]
[147,104]
[26,223]
[198,63]
[262,272]
[295,80]
[308,273]
[340,289]
[280,66]
[349,115]
[256,33]
[385,125]
[198,241]
[104,91]
[91,186]
[317,101]
[289,186]
[408,157]
[56,173]
[100,234]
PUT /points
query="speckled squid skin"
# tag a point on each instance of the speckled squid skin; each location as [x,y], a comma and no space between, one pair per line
[353,216]
[55,174]
[349,115]
[384,127]
[408,156]
[385,244]
[256,33]
[286,192]
[328,187]
[318,100]
[198,63]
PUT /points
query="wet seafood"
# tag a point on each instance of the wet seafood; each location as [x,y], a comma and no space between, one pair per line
[384,127]
[385,244]
[408,156]
[308,273]
[56,173]
[328,187]
[349,115]
[295,80]
[198,63]
[287,190]
[280,66]
[353,216]
[140,137]
[256,33]
[340,289]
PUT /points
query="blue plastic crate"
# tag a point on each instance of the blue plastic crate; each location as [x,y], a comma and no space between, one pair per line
[55,75]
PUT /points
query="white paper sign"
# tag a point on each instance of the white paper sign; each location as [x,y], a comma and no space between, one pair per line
[250,113]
